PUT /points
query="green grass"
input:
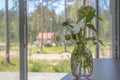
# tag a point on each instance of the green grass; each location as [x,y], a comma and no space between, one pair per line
[51,66]
[15,48]
[36,66]
[51,50]
[12,67]
[60,49]
[42,66]
[55,49]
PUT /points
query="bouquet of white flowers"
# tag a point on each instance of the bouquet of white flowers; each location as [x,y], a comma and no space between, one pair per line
[77,31]
[81,57]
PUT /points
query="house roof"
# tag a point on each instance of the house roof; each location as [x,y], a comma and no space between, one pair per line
[46,36]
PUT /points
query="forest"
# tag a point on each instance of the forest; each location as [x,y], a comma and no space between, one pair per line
[50,14]
[45,17]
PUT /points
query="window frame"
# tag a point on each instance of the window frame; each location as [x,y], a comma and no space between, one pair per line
[23,33]
[23,39]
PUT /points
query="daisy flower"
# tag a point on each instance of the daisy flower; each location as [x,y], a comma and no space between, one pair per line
[77,27]
[58,38]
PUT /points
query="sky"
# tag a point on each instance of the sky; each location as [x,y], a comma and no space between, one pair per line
[2,4]
[59,6]
[10,3]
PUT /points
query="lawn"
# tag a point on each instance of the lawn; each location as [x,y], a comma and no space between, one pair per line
[42,66]
[36,66]
[50,50]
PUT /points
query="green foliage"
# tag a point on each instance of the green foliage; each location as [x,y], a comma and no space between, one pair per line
[63,66]
[36,66]
[2,26]
[12,67]
[51,50]
[13,26]
[86,11]
[50,66]
[91,26]
[1,61]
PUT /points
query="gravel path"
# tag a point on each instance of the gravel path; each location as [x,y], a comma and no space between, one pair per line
[50,56]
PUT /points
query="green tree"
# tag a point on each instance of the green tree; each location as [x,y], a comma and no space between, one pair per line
[2,26]
[14,23]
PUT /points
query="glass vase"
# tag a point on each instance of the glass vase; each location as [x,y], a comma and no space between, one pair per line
[81,63]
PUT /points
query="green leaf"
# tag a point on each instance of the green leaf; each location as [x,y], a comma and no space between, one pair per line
[70,25]
[90,15]
[97,37]
[80,17]
[101,42]
[81,14]
[91,27]
[89,38]
[99,18]
[65,23]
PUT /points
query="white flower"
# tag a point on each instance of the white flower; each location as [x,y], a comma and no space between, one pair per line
[58,38]
[76,29]
[87,50]
[69,20]
[78,26]
[66,32]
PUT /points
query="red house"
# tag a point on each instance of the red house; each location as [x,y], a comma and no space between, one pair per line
[47,38]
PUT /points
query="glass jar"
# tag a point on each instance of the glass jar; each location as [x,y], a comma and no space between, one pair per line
[81,62]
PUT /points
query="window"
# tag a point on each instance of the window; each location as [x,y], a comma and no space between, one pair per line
[44,18]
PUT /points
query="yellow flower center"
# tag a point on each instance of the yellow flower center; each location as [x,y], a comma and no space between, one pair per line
[58,38]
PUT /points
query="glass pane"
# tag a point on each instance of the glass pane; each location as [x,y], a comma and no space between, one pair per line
[105,28]
[89,32]
[9,70]
[43,22]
